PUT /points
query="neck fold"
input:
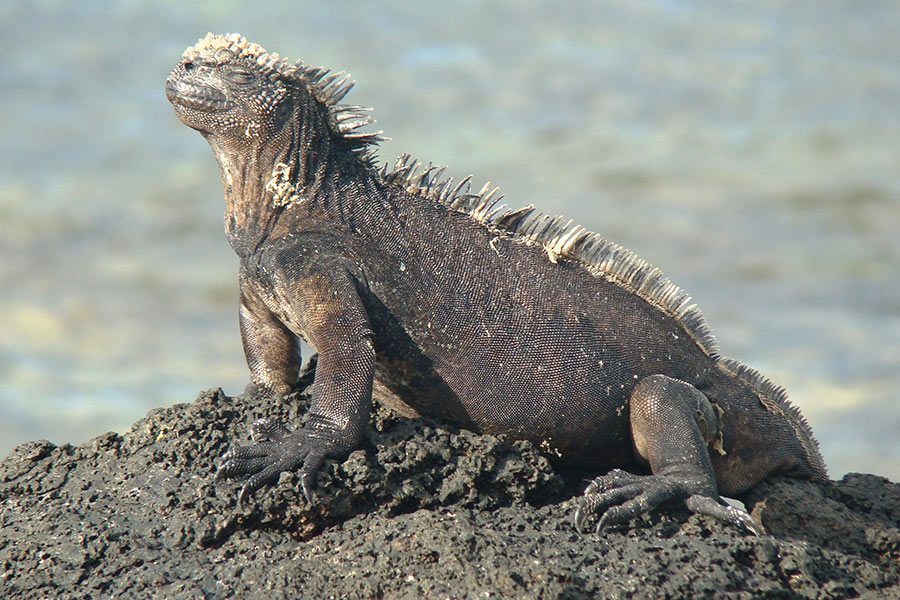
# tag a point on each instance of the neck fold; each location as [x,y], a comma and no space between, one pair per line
[299,168]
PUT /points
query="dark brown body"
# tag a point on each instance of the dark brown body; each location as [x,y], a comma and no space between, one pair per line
[484,330]
[505,322]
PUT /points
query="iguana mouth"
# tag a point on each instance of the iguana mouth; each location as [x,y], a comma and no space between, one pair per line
[198,97]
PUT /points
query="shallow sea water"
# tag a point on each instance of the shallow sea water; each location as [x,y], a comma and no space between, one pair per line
[750,150]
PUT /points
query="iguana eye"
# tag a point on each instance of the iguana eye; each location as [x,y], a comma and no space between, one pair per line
[223,55]
[238,76]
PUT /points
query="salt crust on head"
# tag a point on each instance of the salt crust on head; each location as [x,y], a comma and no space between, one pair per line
[325,86]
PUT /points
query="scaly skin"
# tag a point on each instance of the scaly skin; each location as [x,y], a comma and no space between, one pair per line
[503,322]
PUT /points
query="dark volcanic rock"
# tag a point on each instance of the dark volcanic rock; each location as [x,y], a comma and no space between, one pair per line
[423,510]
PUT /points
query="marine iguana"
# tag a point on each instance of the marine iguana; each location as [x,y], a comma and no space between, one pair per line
[502,321]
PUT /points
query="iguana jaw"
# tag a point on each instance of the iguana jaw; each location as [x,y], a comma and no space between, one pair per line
[196,97]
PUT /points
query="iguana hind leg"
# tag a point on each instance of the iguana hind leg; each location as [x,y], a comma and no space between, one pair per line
[672,425]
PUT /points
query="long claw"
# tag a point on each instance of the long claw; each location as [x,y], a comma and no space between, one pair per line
[221,473]
[636,506]
[307,489]
[580,516]
[707,506]
[268,474]
[242,495]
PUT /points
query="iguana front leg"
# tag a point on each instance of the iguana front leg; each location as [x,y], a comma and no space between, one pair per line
[270,347]
[672,425]
[335,323]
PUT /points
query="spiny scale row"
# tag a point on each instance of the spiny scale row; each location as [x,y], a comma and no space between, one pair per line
[329,89]
[481,205]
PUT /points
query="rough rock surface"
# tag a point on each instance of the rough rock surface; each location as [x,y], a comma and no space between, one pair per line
[423,510]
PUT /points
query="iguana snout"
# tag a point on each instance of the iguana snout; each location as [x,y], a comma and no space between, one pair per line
[196,97]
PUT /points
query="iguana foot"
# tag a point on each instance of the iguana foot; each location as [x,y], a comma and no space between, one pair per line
[277,449]
[622,496]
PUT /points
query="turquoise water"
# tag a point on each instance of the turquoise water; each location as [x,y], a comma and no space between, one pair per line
[749,150]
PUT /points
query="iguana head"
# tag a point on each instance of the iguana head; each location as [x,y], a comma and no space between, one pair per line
[234,91]
[220,89]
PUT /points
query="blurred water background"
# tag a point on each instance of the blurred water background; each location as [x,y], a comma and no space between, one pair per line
[751,150]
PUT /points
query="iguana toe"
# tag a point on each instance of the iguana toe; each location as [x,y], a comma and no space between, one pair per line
[241,460]
[280,450]
[268,429]
[268,474]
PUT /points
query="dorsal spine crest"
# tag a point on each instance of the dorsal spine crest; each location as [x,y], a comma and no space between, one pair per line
[560,238]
